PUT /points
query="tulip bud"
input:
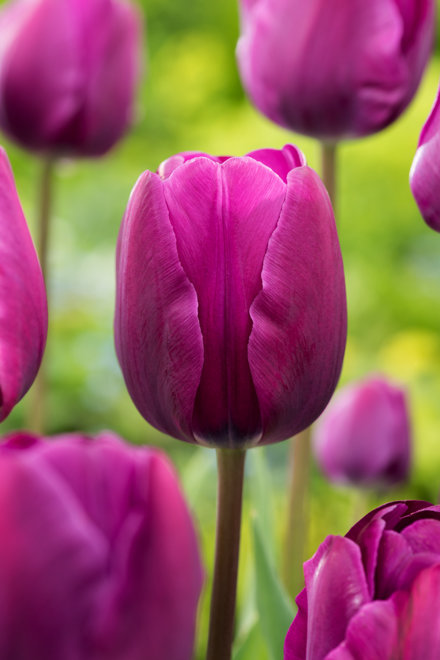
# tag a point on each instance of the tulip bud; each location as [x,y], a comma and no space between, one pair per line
[334,70]
[374,593]
[68,70]
[98,559]
[23,310]
[363,437]
[230,312]
[424,177]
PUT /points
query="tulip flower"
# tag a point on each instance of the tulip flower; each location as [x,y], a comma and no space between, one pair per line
[374,593]
[23,309]
[68,70]
[230,321]
[425,171]
[363,437]
[230,311]
[334,70]
[98,558]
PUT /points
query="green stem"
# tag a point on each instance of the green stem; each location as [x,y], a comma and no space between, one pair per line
[297,512]
[328,169]
[38,392]
[230,464]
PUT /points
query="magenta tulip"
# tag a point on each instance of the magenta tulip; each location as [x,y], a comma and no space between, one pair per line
[374,593]
[68,71]
[334,70]
[363,437]
[425,171]
[230,312]
[23,308]
[98,559]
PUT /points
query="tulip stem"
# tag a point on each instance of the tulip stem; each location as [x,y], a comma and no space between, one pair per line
[328,169]
[296,533]
[38,393]
[230,463]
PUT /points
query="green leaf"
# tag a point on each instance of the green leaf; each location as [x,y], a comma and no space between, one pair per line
[275,610]
[250,646]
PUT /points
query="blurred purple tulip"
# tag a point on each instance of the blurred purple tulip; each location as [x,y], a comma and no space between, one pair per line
[363,437]
[334,70]
[374,593]
[230,330]
[68,71]
[23,308]
[98,559]
[425,171]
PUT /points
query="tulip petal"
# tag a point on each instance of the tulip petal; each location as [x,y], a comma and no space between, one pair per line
[336,590]
[419,618]
[43,48]
[425,171]
[23,306]
[372,634]
[48,594]
[133,497]
[214,208]
[297,342]
[295,645]
[280,161]
[159,348]
[393,556]
[110,61]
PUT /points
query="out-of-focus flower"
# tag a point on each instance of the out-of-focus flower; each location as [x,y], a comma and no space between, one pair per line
[23,304]
[334,70]
[98,559]
[230,312]
[68,71]
[424,177]
[363,437]
[374,593]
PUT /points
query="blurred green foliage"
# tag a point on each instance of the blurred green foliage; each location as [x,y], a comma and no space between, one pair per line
[191,98]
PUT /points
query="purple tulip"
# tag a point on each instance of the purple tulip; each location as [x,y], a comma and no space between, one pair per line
[98,559]
[374,593]
[68,71]
[23,307]
[334,70]
[363,437]
[424,177]
[230,311]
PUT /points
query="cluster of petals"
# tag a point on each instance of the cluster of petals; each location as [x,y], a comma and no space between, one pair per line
[23,304]
[363,436]
[334,70]
[98,559]
[230,319]
[68,72]
[374,593]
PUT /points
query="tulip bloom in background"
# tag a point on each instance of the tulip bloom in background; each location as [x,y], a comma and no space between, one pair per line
[23,307]
[334,70]
[425,171]
[363,437]
[374,593]
[229,330]
[99,557]
[68,72]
